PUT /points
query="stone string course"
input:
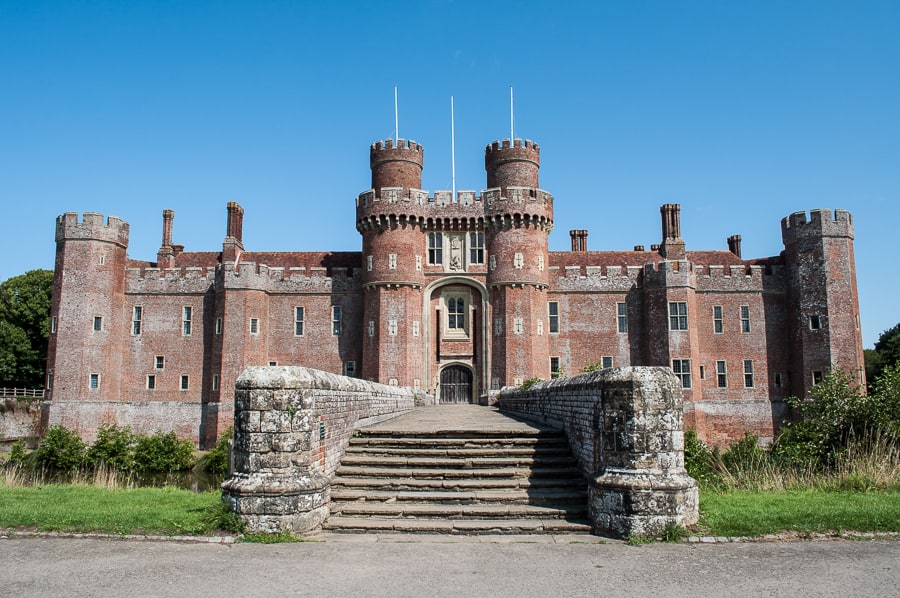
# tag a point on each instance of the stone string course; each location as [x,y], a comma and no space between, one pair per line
[291,427]
[625,426]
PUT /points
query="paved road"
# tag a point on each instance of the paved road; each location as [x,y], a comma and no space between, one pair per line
[363,567]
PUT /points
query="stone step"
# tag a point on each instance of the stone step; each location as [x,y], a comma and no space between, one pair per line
[544,497]
[535,451]
[412,441]
[455,526]
[471,511]
[453,474]
[459,484]
[503,435]
[454,463]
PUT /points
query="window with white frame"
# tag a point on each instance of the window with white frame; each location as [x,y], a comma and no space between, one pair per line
[678,315]
[476,248]
[53,325]
[518,260]
[151,381]
[94,381]
[621,317]
[456,313]
[435,248]
[299,315]
[817,377]
[137,314]
[254,325]
[187,313]
[273,363]
[815,323]
[392,261]
[718,320]
[336,315]
[745,319]
[721,374]
[350,369]
[185,382]
[98,323]
[682,369]
[218,325]
[748,373]
[215,382]
[606,361]
[553,316]
[371,328]
[159,362]
[555,370]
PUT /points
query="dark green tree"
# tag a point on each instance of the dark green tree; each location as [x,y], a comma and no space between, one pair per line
[24,328]
[887,352]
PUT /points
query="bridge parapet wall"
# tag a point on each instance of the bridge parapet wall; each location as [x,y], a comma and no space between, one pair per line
[625,426]
[291,428]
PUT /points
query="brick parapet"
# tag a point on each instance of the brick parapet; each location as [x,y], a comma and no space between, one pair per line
[91,227]
[819,224]
[291,427]
[625,426]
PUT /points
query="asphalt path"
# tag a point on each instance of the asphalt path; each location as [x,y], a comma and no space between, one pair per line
[420,567]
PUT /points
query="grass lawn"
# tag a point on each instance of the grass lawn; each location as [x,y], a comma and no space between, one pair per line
[76,508]
[747,513]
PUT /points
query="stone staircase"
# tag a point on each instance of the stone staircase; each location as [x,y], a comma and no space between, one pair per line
[459,482]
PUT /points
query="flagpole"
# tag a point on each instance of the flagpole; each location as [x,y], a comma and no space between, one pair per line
[452,152]
[396,119]
[512,133]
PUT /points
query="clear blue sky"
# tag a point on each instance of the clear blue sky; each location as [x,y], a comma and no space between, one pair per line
[741,112]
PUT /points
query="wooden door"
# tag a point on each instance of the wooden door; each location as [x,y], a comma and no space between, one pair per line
[456,384]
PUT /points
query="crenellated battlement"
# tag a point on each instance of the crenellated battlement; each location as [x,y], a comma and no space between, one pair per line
[92,227]
[820,223]
[402,144]
[500,149]
[169,280]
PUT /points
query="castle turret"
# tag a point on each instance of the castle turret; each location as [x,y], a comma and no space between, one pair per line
[88,309]
[823,305]
[518,218]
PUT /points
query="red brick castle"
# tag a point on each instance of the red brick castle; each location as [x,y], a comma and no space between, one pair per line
[457,296]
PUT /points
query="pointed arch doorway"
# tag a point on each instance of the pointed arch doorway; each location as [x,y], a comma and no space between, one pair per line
[456,384]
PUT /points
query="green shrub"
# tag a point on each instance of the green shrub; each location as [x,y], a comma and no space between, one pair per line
[114,447]
[17,453]
[745,454]
[61,449]
[216,460]
[527,384]
[163,452]
[699,459]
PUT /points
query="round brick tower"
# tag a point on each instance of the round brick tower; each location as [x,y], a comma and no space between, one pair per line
[518,218]
[392,275]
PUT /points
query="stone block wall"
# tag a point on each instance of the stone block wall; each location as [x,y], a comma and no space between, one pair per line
[291,427]
[625,426]
[20,419]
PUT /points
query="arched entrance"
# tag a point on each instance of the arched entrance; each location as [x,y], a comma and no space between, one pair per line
[456,384]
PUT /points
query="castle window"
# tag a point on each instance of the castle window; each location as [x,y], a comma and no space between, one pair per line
[415,328]
[102,260]
[553,316]
[350,369]
[721,375]
[185,382]
[517,326]
[151,381]
[815,323]
[298,321]
[498,326]
[555,371]
[476,248]
[49,379]
[371,328]
[392,327]
[160,362]
[53,324]
[273,364]
[540,328]
[369,260]
[622,317]
[186,315]
[682,369]
[778,380]
[435,248]
[218,325]
[748,373]
[94,381]
[336,319]
[493,261]
[254,325]
[215,382]
[606,361]
[718,322]
[702,373]
[518,260]
[98,323]
[745,319]
[418,262]
[678,315]
[392,261]
[817,377]
[136,314]
[456,316]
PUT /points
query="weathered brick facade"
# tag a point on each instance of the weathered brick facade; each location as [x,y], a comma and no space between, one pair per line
[456,296]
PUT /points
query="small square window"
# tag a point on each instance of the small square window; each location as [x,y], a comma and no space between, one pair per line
[185,382]
[606,362]
[98,323]
[815,323]
[151,382]
[350,369]
[160,362]
[95,381]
